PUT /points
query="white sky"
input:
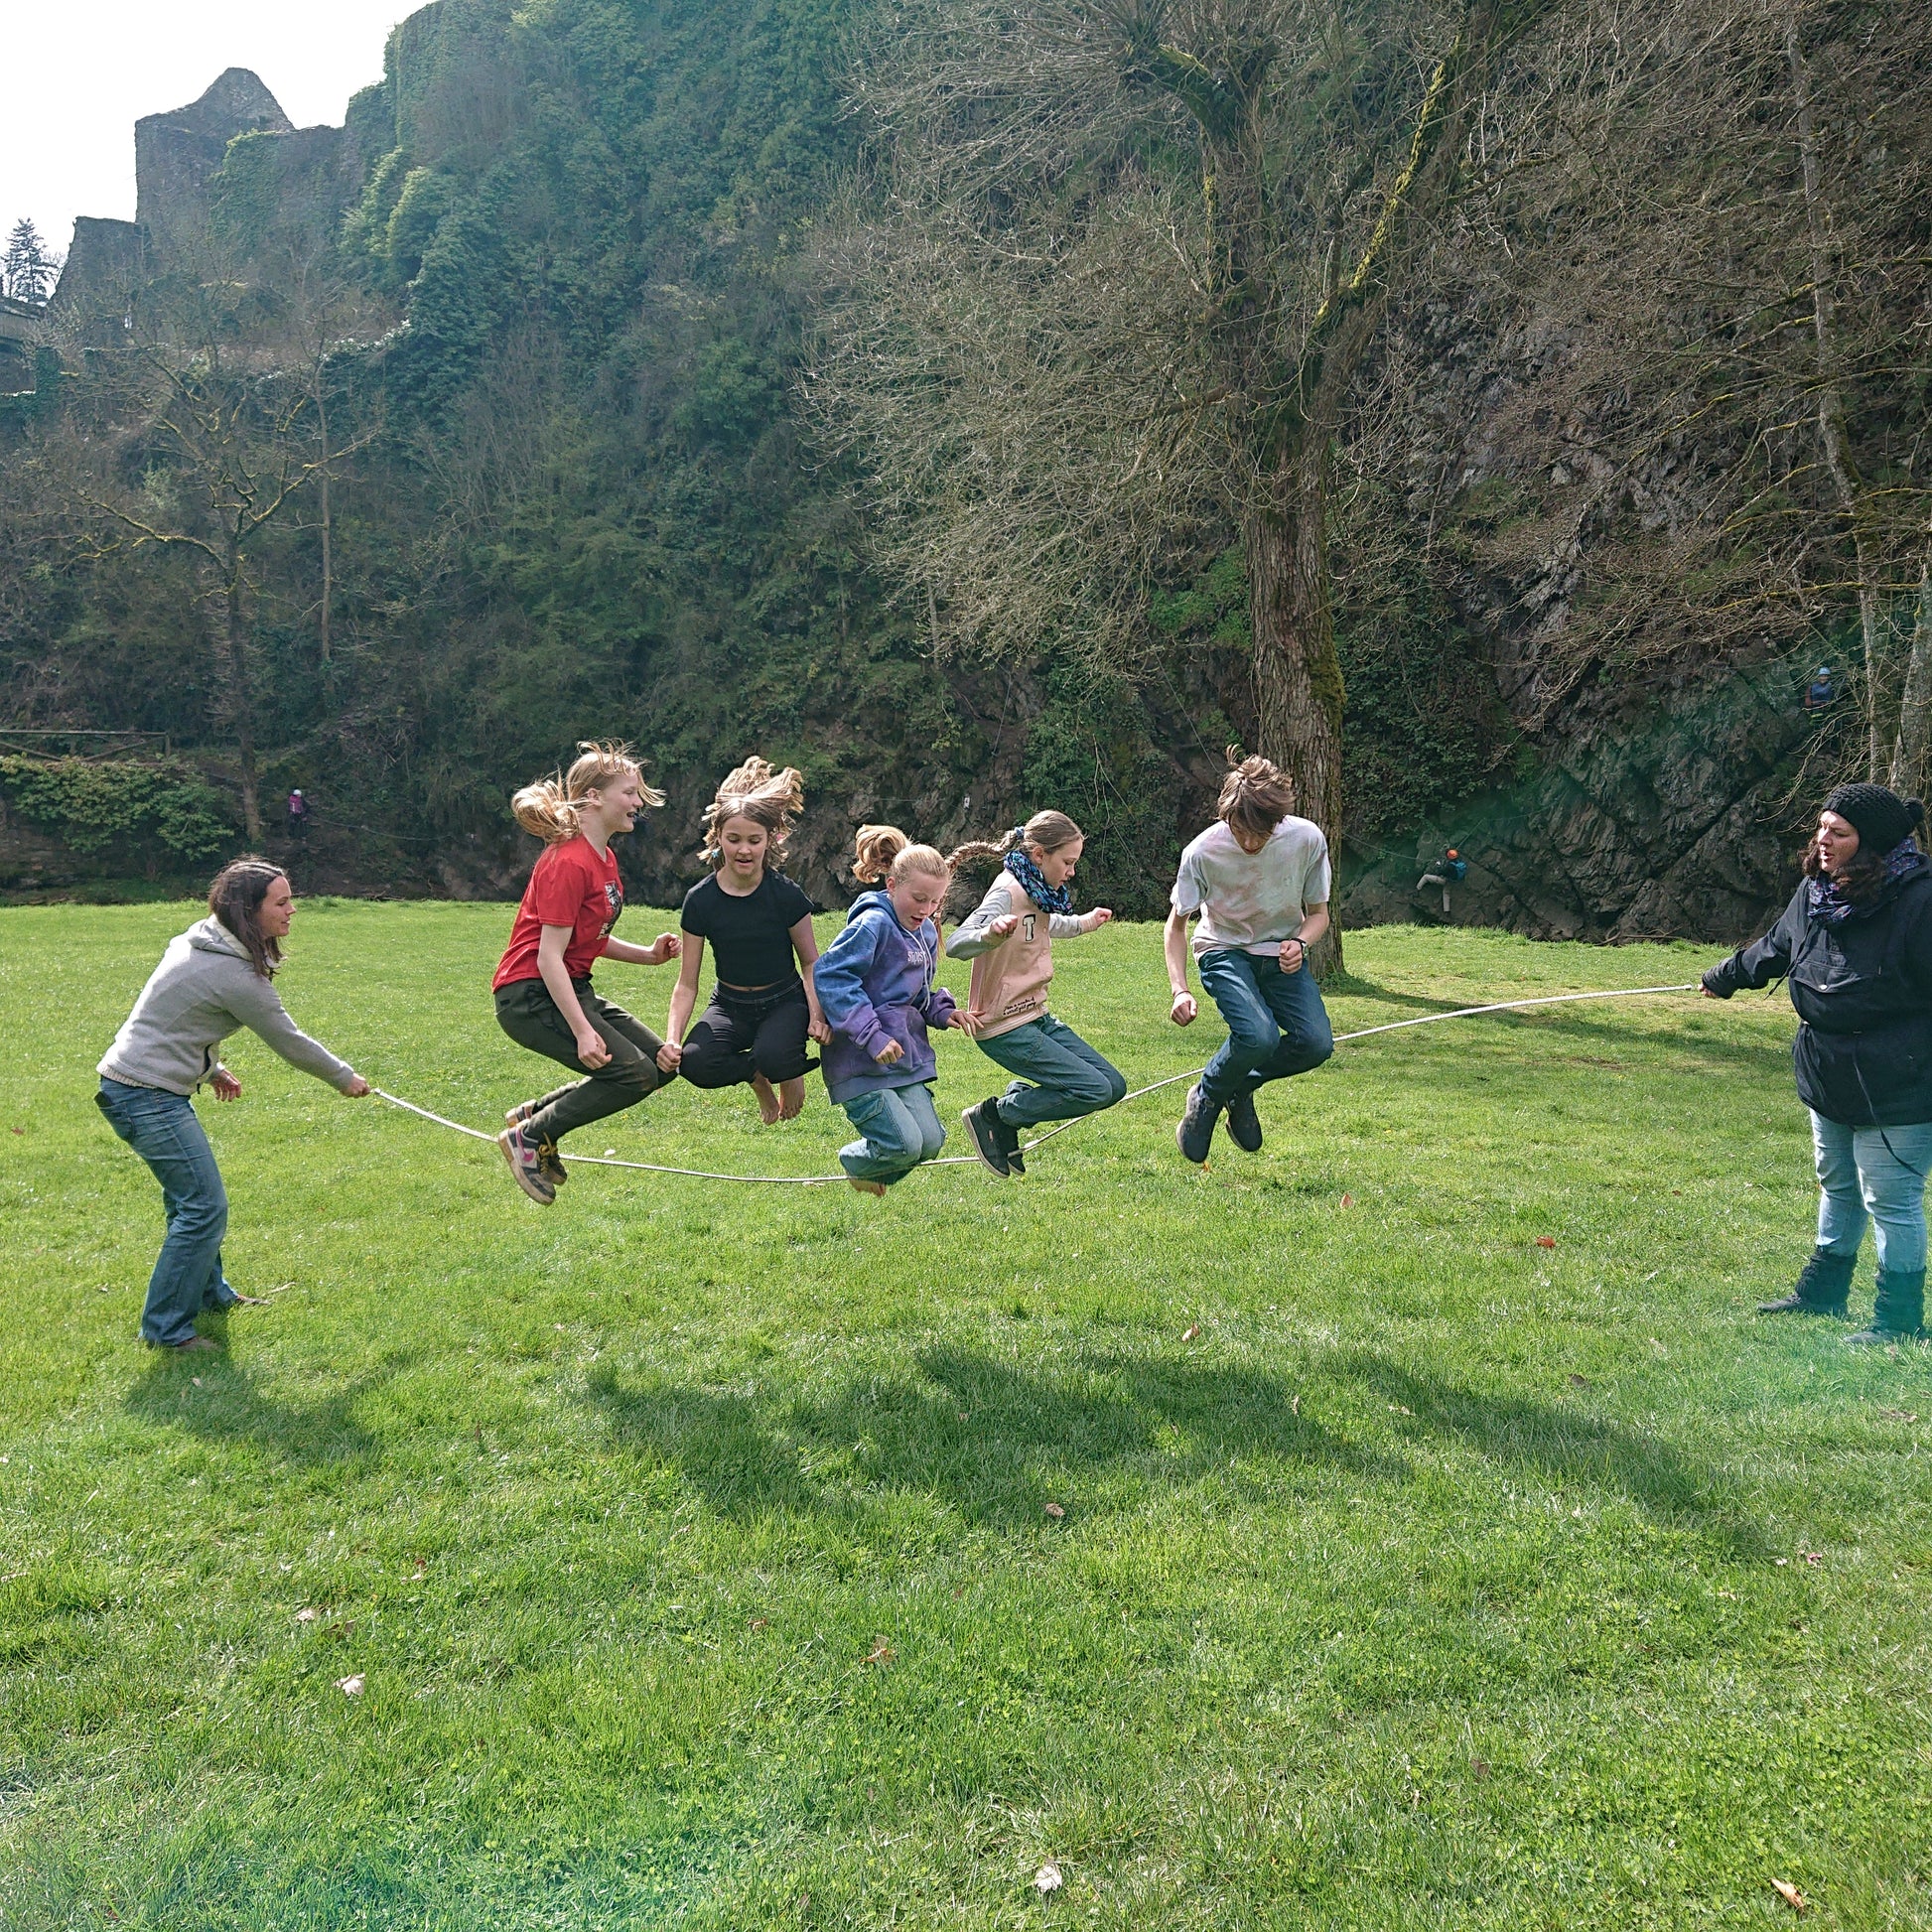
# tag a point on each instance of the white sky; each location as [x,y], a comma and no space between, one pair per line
[86,70]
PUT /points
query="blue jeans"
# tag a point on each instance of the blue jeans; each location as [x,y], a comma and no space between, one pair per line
[1068,1078]
[900,1129]
[1277,1023]
[1857,1173]
[161,1128]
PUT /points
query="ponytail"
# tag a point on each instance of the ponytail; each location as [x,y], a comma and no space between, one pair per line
[1050,831]
[884,854]
[875,850]
[548,809]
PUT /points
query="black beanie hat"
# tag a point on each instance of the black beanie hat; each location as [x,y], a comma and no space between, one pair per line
[1880,816]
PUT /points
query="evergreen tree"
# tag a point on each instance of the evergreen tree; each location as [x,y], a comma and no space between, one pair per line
[26,271]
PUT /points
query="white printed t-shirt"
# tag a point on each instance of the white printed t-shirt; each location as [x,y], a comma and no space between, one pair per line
[1251,903]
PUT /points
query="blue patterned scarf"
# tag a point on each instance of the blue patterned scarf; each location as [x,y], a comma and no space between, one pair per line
[1825,898]
[1032,882]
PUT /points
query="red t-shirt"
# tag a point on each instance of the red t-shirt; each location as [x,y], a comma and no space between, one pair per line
[569,885]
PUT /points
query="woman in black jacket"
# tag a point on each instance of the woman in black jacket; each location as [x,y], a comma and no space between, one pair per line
[1856,948]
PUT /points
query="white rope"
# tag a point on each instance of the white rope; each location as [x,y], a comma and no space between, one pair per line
[969,1161]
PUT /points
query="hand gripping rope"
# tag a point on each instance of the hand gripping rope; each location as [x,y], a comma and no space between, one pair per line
[970,1160]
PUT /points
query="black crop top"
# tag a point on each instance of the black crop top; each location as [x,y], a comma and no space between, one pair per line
[750,935]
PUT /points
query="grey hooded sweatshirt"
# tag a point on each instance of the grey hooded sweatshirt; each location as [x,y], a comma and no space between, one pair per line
[204,990]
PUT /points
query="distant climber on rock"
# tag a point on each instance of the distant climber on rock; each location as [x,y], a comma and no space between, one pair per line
[1822,689]
[1450,870]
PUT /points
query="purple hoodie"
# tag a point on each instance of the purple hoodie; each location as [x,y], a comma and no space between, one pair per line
[874,984]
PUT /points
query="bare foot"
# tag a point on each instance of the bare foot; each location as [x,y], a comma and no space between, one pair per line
[770,1111]
[791,1099]
[249,1301]
[195,1345]
[877,1188]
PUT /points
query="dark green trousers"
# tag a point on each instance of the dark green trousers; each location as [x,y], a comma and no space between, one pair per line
[526,1012]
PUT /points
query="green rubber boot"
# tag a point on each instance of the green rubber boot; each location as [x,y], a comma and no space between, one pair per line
[1823,1287]
[1898,1311]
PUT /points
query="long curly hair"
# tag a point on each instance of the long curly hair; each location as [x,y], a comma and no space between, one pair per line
[766,797]
[1862,879]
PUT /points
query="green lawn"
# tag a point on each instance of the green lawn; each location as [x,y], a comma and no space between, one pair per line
[693,1544]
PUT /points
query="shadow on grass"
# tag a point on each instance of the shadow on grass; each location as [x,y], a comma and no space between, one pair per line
[992,1440]
[1566,1447]
[230,1406]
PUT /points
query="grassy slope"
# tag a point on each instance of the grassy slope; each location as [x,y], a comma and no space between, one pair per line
[1443,1579]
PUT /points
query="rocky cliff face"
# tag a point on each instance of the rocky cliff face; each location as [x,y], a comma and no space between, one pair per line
[1677,823]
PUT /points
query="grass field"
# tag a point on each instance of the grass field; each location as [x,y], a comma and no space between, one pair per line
[693,1544]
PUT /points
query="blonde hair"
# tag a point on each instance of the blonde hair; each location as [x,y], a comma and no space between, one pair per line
[766,797]
[1256,795]
[548,808]
[882,854]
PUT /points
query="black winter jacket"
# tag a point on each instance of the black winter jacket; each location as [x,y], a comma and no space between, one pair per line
[1864,991]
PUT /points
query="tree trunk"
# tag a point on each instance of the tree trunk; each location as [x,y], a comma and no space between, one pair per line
[1836,445]
[1298,690]
[328,534]
[236,698]
[1911,763]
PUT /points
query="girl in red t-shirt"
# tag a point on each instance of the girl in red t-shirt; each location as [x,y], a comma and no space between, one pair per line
[544,997]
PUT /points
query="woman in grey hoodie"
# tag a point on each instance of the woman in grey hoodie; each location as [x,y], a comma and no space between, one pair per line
[215,979]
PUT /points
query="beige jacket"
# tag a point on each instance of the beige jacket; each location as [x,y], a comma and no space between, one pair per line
[1011,976]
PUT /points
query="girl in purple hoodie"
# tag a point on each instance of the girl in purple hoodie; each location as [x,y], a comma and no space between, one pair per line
[876,986]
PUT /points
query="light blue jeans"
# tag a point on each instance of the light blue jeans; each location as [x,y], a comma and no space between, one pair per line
[163,1128]
[901,1126]
[1857,1173]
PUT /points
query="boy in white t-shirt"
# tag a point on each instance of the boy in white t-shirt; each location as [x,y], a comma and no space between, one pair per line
[1259,880]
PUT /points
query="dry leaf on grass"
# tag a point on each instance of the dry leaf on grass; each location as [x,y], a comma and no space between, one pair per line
[1055,1511]
[1049,1879]
[1790,1893]
[759,1622]
[1191,1331]
[1581,1381]
[1546,1240]
[350,1687]
[1348,1200]
[307,1617]
[881,1654]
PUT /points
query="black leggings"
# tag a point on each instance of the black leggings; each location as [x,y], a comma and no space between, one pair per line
[740,1035]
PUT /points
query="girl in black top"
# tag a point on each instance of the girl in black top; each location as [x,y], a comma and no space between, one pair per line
[762,1005]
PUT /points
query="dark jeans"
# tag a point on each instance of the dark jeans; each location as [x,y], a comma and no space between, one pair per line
[164,1131]
[741,1034]
[1070,1078]
[526,1012]
[1277,1023]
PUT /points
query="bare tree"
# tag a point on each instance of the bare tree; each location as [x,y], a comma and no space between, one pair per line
[1115,286]
[223,448]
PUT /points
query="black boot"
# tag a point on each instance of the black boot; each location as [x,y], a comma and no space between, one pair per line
[1823,1287]
[1898,1311]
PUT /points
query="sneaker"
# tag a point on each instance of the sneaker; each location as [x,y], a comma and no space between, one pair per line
[550,1164]
[1009,1139]
[1195,1129]
[524,1164]
[983,1124]
[1244,1125]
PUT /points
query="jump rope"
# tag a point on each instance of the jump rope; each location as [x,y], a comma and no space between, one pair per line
[971,1160]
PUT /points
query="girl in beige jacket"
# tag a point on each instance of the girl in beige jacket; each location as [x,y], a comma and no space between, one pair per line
[1010,940]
